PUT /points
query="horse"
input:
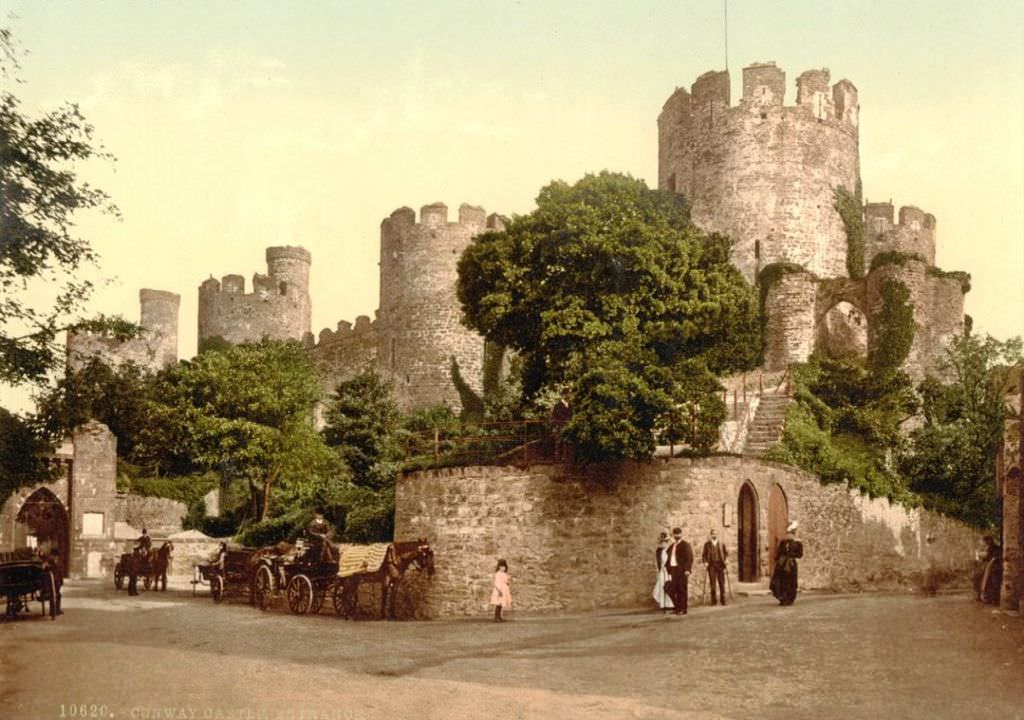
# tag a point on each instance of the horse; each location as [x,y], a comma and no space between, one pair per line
[399,557]
[159,561]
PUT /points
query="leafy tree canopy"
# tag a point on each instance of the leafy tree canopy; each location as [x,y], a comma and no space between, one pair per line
[609,289]
[40,196]
[951,460]
[247,412]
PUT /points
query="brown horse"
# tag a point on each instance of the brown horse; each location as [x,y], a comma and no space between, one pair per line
[159,561]
[399,557]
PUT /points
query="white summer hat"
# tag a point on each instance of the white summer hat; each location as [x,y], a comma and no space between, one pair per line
[792,526]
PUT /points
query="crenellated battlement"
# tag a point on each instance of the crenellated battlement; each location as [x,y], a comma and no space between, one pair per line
[346,331]
[435,216]
[278,307]
[912,234]
[764,89]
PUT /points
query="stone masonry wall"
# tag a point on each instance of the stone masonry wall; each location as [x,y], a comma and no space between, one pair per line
[761,172]
[789,327]
[154,349]
[582,539]
[340,354]
[914,234]
[160,516]
[93,491]
[278,307]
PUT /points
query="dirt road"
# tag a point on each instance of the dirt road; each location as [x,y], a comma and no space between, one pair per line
[169,655]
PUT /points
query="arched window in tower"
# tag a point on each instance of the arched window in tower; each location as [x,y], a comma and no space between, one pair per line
[757,251]
[393,353]
[672,183]
[283,288]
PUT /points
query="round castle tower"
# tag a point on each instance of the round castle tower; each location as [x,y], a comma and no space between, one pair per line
[278,308]
[419,319]
[761,172]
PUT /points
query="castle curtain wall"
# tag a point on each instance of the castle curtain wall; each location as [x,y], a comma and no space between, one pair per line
[580,539]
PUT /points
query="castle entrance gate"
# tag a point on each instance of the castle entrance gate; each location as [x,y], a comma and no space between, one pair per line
[44,518]
[841,321]
[778,519]
[746,542]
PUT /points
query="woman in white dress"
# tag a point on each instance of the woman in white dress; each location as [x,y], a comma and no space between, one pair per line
[661,577]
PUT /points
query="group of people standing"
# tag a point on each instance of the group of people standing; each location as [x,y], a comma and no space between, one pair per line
[674,559]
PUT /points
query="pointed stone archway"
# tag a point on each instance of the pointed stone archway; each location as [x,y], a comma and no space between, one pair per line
[43,516]
[778,518]
[749,569]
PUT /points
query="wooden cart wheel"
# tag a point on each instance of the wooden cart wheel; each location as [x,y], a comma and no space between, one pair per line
[217,588]
[118,576]
[262,587]
[345,600]
[318,600]
[300,594]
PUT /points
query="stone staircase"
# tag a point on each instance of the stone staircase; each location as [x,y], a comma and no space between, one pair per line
[765,429]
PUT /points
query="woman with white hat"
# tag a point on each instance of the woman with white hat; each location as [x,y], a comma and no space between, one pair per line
[783,584]
[661,578]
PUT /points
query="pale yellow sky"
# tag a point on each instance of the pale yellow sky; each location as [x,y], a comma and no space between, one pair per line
[243,125]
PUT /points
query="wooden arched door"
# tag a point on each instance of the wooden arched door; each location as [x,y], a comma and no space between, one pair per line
[746,542]
[778,518]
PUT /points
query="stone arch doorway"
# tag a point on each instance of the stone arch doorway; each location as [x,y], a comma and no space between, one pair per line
[778,518]
[44,517]
[747,532]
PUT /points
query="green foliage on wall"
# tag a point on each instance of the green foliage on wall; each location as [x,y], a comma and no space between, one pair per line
[893,329]
[964,278]
[895,257]
[844,425]
[851,211]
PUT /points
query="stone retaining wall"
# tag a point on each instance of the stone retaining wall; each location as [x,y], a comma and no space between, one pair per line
[578,539]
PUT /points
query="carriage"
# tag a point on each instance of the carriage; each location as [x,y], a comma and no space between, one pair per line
[232,573]
[304,577]
[24,581]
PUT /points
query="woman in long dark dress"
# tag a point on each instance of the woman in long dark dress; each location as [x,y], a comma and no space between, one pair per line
[784,577]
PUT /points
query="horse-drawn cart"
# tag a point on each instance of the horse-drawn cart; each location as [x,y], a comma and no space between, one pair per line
[231,573]
[22,581]
[304,576]
[151,565]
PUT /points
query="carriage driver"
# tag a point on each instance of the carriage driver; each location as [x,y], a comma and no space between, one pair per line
[320,547]
[144,543]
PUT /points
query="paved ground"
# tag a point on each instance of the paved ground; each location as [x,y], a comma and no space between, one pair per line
[171,656]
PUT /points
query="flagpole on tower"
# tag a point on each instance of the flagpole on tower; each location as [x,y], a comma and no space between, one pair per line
[725,12]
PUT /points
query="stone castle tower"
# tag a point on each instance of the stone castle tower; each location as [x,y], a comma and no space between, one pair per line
[154,349]
[419,317]
[278,308]
[761,172]
[766,175]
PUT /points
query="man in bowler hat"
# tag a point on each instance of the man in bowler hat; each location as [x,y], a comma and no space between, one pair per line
[679,560]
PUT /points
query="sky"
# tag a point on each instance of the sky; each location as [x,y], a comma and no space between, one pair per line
[241,125]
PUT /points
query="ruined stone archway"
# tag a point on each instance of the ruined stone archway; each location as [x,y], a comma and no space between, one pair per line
[43,516]
[841,319]
[778,518]
[747,549]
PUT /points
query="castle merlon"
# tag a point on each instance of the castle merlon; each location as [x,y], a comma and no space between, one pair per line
[764,85]
[880,219]
[346,330]
[435,216]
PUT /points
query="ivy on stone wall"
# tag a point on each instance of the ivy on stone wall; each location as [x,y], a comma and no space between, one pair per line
[850,207]
[964,278]
[771,274]
[895,257]
[893,329]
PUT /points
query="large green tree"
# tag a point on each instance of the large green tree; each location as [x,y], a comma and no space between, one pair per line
[247,412]
[41,194]
[951,459]
[608,289]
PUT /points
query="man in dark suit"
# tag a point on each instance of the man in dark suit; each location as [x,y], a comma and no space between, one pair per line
[679,560]
[714,556]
